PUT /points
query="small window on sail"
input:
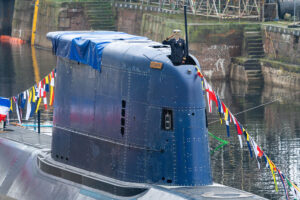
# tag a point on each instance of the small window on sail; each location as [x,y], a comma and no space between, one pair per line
[167,120]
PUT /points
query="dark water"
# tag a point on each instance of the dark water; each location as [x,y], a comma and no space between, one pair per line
[275,127]
[21,66]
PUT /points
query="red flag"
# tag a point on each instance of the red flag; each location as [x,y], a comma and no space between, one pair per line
[239,130]
[212,96]
[260,152]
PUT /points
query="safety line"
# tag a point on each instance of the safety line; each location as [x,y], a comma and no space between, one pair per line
[253,108]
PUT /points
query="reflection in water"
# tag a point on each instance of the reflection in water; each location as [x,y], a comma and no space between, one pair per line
[21,66]
[275,127]
[17,68]
[35,65]
[7,72]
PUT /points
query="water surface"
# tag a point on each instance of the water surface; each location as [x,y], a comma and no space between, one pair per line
[22,66]
[276,129]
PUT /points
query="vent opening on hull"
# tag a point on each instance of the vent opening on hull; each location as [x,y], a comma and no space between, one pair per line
[123,111]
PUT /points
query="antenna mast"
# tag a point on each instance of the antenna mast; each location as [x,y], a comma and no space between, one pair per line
[186,33]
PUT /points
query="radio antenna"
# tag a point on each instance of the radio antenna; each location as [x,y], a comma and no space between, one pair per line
[186,33]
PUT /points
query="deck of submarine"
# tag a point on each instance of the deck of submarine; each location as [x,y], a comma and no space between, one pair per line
[215,191]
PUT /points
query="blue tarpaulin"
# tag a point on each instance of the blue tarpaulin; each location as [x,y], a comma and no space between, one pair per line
[86,46]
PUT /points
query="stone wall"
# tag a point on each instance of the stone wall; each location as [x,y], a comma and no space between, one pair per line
[129,21]
[212,44]
[282,44]
[281,75]
[56,16]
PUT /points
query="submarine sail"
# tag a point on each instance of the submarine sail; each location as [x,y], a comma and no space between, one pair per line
[123,110]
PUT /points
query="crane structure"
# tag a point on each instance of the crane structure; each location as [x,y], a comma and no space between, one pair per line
[224,9]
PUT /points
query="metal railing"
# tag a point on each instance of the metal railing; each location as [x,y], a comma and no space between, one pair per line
[214,8]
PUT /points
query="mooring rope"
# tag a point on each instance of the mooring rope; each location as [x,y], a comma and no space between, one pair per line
[253,108]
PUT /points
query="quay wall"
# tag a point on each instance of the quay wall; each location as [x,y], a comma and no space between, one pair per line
[281,74]
[281,44]
[274,73]
[281,65]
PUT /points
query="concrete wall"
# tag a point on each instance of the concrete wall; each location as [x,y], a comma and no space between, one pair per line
[282,44]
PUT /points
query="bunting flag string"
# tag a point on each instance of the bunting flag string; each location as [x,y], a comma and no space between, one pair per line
[32,97]
[283,183]
[228,117]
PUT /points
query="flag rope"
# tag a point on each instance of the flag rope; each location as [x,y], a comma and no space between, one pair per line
[253,108]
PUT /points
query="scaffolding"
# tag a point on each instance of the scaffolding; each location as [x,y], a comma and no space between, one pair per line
[225,9]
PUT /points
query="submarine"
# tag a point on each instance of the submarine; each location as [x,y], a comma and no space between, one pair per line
[127,124]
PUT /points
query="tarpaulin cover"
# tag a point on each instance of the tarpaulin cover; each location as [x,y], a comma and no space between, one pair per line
[86,46]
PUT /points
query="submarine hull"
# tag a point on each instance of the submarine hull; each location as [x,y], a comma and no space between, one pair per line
[29,173]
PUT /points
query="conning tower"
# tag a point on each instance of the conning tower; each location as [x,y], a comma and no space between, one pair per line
[124,111]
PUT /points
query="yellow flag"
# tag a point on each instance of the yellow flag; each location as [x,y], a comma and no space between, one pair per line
[11,107]
[273,168]
[33,94]
[226,115]
[47,80]
[51,95]
[247,136]
[30,96]
[38,105]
